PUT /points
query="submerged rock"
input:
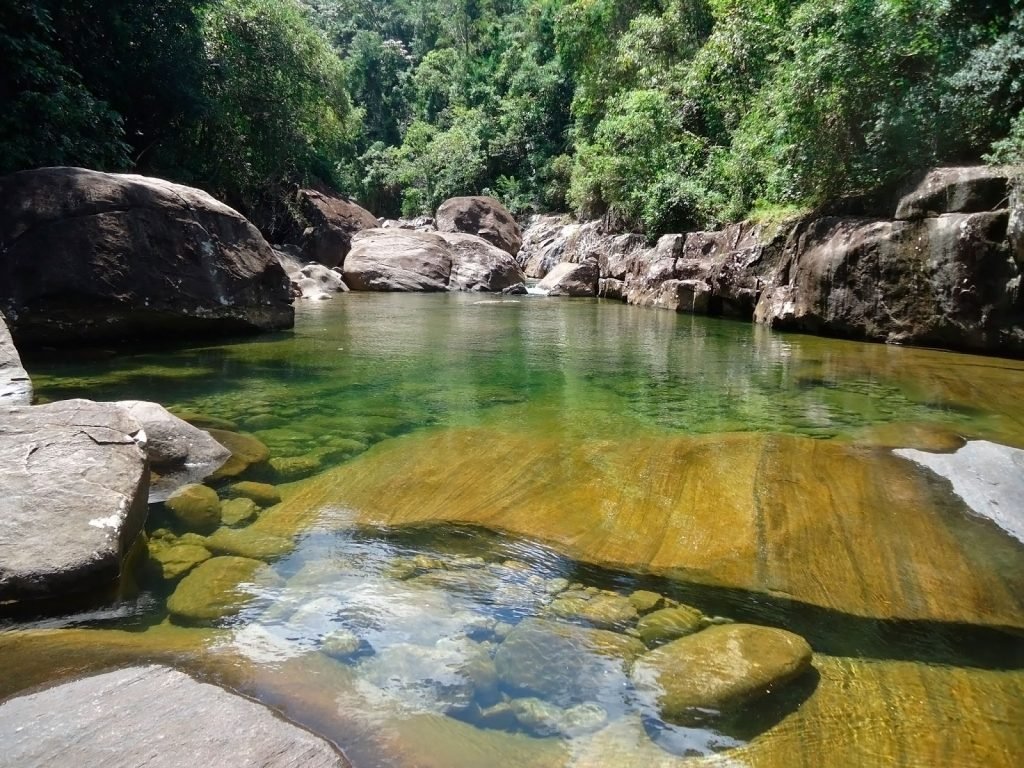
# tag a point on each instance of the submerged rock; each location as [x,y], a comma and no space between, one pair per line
[196,507]
[246,542]
[719,669]
[246,451]
[218,588]
[15,385]
[543,718]
[152,716]
[600,608]
[178,559]
[238,511]
[481,216]
[74,497]
[563,663]
[670,624]
[92,256]
[263,494]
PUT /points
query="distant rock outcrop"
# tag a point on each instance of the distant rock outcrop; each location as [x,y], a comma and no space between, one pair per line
[89,256]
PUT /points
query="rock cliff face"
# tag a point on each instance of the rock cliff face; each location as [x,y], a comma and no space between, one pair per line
[90,256]
[944,271]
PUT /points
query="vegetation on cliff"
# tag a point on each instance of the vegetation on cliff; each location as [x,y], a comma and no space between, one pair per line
[660,114]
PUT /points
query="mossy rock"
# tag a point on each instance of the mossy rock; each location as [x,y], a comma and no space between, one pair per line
[340,644]
[264,494]
[289,468]
[246,451]
[177,560]
[599,608]
[261,421]
[238,511]
[719,669]
[196,507]
[668,624]
[202,421]
[646,601]
[245,542]
[218,588]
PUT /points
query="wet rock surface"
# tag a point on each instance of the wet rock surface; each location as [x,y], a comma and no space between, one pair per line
[152,716]
[74,497]
[92,256]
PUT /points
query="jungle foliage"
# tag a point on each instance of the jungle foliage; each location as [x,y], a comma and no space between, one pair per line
[663,115]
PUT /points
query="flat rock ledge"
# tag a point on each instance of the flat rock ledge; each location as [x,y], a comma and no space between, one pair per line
[156,717]
[75,487]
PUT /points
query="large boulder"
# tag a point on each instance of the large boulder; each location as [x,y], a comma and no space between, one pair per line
[483,216]
[398,260]
[479,266]
[946,281]
[87,256]
[15,385]
[152,716]
[971,189]
[567,279]
[331,223]
[719,669]
[74,497]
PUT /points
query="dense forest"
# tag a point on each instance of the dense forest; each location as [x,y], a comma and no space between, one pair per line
[662,115]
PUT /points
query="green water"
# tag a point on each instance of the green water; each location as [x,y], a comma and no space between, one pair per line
[364,369]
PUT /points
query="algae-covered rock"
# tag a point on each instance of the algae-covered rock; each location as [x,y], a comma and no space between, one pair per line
[238,511]
[288,468]
[669,624]
[178,559]
[720,668]
[546,719]
[246,451]
[563,662]
[196,507]
[245,542]
[264,494]
[218,588]
[645,601]
[607,610]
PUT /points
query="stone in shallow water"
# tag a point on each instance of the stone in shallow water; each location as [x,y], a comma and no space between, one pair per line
[341,644]
[606,610]
[545,719]
[815,521]
[74,497]
[196,507]
[238,511]
[246,542]
[152,716]
[218,588]
[562,662]
[646,601]
[177,560]
[263,494]
[720,668]
[246,451]
[669,624]
[289,468]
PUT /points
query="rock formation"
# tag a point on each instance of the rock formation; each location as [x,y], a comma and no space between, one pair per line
[88,256]
[481,216]
[15,385]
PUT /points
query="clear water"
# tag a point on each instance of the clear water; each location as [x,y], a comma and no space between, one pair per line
[430,606]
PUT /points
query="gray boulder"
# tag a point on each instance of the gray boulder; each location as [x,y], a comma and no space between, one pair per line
[91,256]
[152,716]
[180,453]
[398,260]
[479,266]
[572,279]
[331,222]
[15,385]
[482,216]
[317,283]
[75,497]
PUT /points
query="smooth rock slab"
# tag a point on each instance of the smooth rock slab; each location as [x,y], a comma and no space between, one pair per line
[989,478]
[15,385]
[719,669]
[155,717]
[74,488]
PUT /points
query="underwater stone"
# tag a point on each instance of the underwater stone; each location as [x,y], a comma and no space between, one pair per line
[218,588]
[645,601]
[246,451]
[607,610]
[669,624]
[340,644]
[177,560]
[720,668]
[245,542]
[196,507]
[238,511]
[263,494]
